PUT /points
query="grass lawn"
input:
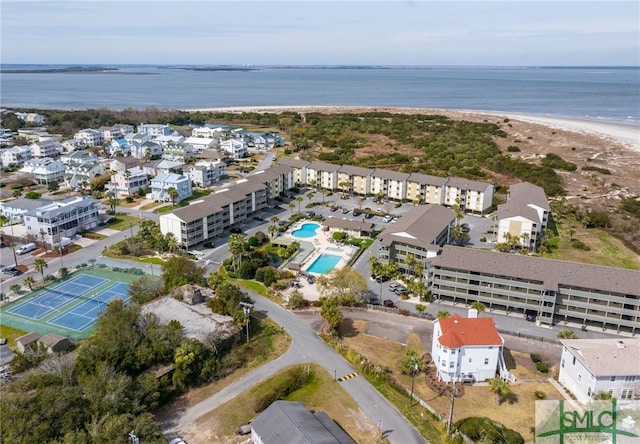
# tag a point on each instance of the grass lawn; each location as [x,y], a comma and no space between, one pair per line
[166,209]
[11,334]
[477,401]
[122,222]
[94,236]
[322,393]
[604,248]
[152,260]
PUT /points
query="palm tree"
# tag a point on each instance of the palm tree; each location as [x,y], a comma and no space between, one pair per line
[420,308]
[236,248]
[375,266]
[443,314]
[478,306]
[272,230]
[291,207]
[15,288]
[29,281]
[173,194]
[501,388]
[410,261]
[42,233]
[299,200]
[40,264]
[567,334]
[171,242]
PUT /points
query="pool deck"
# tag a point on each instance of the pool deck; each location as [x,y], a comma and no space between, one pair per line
[322,243]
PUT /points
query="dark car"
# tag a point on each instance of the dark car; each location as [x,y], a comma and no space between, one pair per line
[12,271]
[357,212]
[345,211]
[310,214]
[401,290]
[368,215]
[374,301]
[236,230]
[530,316]
[381,279]
[333,209]
[311,279]
[389,303]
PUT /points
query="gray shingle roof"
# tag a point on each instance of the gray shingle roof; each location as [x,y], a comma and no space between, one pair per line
[420,226]
[466,184]
[526,193]
[514,209]
[607,357]
[425,179]
[355,170]
[286,422]
[390,175]
[552,272]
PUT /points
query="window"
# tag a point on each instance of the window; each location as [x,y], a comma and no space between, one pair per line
[469,359]
[486,361]
[452,364]
[612,379]
[610,391]
[579,378]
[562,363]
[574,360]
[627,394]
[629,379]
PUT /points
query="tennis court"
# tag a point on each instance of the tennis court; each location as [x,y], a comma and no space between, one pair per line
[72,305]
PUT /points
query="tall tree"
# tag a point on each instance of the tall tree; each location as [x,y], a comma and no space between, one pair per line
[331,313]
[173,194]
[178,271]
[237,247]
[299,200]
[29,281]
[39,265]
[501,388]
[346,285]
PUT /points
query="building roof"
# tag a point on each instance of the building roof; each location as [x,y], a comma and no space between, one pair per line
[355,170]
[29,338]
[292,422]
[23,203]
[296,163]
[349,224]
[529,193]
[421,226]
[390,175]
[459,332]
[607,357]
[552,273]
[52,339]
[517,209]
[466,184]
[318,165]
[66,206]
[425,179]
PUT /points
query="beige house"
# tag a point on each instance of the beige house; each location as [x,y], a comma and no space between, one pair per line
[422,188]
[354,180]
[525,215]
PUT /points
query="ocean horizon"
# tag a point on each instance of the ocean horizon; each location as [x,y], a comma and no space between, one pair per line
[603,93]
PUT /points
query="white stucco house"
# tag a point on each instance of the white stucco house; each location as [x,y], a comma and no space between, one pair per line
[90,137]
[16,155]
[236,149]
[589,366]
[467,349]
[206,173]
[44,170]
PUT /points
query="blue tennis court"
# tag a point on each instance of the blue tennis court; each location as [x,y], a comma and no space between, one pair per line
[85,314]
[53,298]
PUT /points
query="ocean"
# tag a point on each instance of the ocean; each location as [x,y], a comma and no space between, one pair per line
[602,93]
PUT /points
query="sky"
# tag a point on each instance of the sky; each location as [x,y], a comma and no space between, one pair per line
[302,32]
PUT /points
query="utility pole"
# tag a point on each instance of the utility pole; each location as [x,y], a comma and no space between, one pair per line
[246,308]
[453,397]
[414,370]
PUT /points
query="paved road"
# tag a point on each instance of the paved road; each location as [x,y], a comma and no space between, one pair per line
[308,347]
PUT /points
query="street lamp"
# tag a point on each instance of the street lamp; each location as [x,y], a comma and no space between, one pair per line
[246,308]
[413,378]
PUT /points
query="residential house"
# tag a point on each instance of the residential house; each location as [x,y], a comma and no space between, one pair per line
[128,182]
[28,341]
[388,184]
[471,195]
[201,144]
[44,170]
[38,119]
[119,148]
[90,137]
[15,156]
[467,349]
[63,218]
[80,175]
[55,343]
[110,133]
[147,150]
[46,148]
[78,157]
[592,366]
[124,163]
[181,152]
[553,291]
[354,228]
[14,209]
[354,180]
[206,173]
[425,189]
[73,145]
[37,135]
[162,166]
[137,138]
[525,215]
[161,184]
[154,129]
[291,422]
[421,232]
[237,149]
[322,175]
[207,132]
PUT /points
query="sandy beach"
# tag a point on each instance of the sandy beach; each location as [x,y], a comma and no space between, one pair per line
[627,135]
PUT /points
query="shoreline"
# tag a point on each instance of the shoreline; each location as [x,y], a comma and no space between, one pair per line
[627,135]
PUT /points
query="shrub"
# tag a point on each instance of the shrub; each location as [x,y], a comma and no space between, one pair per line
[535,358]
[596,169]
[482,429]
[296,300]
[580,245]
[404,312]
[513,149]
[542,367]
[539,395]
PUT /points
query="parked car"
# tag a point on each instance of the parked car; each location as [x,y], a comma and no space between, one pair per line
[236,230]
[401,290]
[389,303]
[357,212]
[310,214]
[530,316]
[381,279]
[387,219]
[374,301]
[26,248]
[11,271]
[333,209]
[345,211]
[368,215]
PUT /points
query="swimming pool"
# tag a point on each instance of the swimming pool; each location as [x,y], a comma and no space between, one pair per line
[323,263]
[335,249]
[307,230]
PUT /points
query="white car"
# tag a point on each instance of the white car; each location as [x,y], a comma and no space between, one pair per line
[387,219]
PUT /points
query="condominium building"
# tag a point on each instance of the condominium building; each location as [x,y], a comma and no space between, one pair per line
[389,184]
[422,188]
[471,195]
[525,215]
[354,180]
[421,232]
[553,291]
